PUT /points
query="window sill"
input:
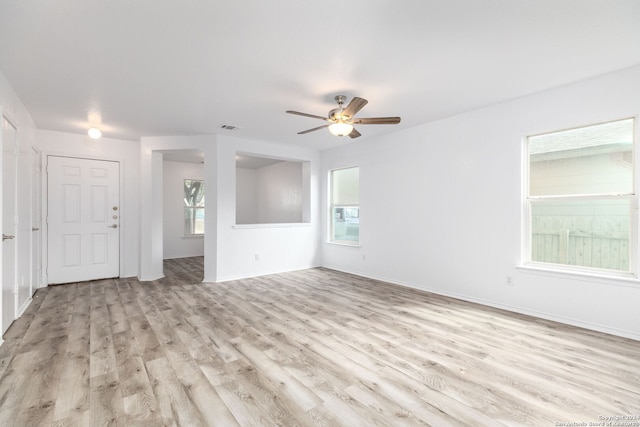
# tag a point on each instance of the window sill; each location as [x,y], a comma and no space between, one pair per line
[192,236]
[349,245]
[623,279]
[272,225]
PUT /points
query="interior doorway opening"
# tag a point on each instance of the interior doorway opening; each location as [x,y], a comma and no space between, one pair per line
[183,204]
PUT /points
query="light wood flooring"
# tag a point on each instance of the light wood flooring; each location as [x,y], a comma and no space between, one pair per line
[308,348]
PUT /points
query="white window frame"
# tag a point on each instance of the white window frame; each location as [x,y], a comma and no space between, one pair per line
[632,196]
[332,206]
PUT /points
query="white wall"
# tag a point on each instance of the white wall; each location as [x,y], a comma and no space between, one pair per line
[441,207]
[12,108]
[246,196]
[175,244]
[277,247]
[230,250]
[280,192]
[128,154]
[151,201]
[271,194]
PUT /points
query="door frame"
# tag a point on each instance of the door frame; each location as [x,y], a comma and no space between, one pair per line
[36,279]
[45,207]
[9,119]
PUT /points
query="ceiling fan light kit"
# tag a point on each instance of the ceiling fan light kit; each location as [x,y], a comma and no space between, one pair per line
[94,133]
[340,128]
[341,120]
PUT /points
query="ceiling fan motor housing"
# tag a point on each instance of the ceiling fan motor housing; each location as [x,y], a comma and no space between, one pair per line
[336,114]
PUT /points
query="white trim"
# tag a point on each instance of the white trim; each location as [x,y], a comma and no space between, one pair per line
[23,307]
[331,206]
[36,282]
[563,272]
[14,294]
[272,225]
[343,243]
[249,276]
[183,256]
[1,222]
[150,278]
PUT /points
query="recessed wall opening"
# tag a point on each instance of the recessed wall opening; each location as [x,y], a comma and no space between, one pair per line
[271,190]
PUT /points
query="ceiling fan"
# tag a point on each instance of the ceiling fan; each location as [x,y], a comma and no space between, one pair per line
[341,120]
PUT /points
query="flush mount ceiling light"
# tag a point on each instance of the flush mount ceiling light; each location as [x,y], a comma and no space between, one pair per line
[341,120]
[94,133]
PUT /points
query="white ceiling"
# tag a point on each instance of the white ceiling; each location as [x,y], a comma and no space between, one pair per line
[161,67]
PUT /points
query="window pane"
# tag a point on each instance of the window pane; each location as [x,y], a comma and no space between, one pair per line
[193,220]
[193,192]
[589,160]
[589,233]
[346,224]
[345,185]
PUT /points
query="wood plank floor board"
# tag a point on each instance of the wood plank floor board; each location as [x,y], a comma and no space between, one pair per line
[176,408]
[307,348]
[37,406]
[236,395]
[206,399]
[117,313]
[106,404]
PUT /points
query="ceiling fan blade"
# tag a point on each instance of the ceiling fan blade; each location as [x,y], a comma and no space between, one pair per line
[313,116]
[314,129]
[378,121]
[354,133]
[354,106]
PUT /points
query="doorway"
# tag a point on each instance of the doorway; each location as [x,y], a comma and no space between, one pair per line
[84,216]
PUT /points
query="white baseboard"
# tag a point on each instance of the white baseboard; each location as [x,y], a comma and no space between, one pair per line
[150,278]
[24,307]
[265,273]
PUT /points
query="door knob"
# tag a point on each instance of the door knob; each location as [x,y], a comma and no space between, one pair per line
[5,237]
[113,226]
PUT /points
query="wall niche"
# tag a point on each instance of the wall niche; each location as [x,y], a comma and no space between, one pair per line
[271,190]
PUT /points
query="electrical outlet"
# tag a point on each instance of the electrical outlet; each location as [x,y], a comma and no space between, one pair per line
[509,281]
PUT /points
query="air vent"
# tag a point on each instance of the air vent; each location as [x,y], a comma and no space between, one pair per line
[229,127]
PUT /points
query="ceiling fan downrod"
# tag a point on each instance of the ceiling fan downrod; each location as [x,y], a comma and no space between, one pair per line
[336,113]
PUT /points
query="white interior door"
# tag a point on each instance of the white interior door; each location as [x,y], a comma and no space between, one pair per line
[83,216]
[36,219]
[9,283]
